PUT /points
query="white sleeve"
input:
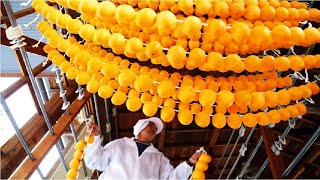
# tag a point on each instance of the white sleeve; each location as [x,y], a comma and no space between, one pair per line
[182,171]
[98,157]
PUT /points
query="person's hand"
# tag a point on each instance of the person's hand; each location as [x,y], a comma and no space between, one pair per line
[93,129]
[194,158]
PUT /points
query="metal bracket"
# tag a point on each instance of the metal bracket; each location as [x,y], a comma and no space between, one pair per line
[275,150]
[243,150]
[242,131]
[13,33]
[270,125]
[65,106]
[283,141]
[292,123]
[80,91]
[62,94]
[277,147]
[114,111]
[108,127]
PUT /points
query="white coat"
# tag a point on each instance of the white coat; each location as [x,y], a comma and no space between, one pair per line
[119,160]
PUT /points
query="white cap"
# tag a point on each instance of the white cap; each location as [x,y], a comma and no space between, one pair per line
[142,123]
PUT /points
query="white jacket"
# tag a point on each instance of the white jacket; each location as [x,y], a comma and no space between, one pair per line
[119,160]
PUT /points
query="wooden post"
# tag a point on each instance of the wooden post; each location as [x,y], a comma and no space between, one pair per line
[276,163]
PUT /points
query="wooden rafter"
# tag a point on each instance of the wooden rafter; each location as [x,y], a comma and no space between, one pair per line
[275,162]
[27,167]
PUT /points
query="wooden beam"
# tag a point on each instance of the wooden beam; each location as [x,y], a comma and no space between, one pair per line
[18,74]
[162,138]
[17,15]
[35,50]
[27,167]
[213,138]
[35,128]
[276,162]
[313,110]
[187,130]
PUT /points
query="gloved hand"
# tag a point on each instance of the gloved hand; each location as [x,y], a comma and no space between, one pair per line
[194,158]
[93,129]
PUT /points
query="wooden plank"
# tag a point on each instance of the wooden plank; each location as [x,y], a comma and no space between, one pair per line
[27,167]
[162,138]
[276,162]
[33,131]
[313,110]
[18,74]
[213,138]
[35,50]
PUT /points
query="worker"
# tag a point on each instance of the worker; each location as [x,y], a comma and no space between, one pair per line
[136,157]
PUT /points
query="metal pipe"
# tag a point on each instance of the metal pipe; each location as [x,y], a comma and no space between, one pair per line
[97,112]
[42,90]
[15,127]
[61,144]
[62,90]
[47,87]
[247,164]
[264,165]
[66,107]
[64,164]
[107,118]
[233,148]
[243,148]
[302,152]
[28,66]
[225,149]
[40,174]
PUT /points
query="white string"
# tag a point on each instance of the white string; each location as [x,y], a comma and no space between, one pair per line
[310,100]
[66,35]
[307,76]
[45,62]
[37,44]
[34,20]
[292,50]
[276,52]
[297,75]
[25,3]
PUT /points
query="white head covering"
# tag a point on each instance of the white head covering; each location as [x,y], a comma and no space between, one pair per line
[142,123]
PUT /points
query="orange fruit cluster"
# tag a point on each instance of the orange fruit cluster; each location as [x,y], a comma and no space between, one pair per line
[205,100]
[201,166]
